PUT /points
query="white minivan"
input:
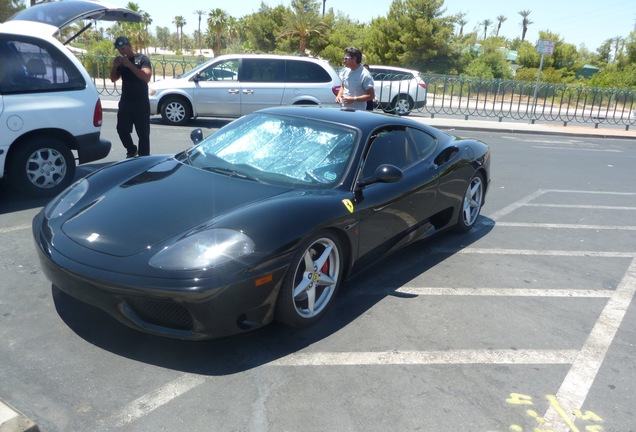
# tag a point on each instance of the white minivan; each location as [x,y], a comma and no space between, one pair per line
[50,111]
[237,84]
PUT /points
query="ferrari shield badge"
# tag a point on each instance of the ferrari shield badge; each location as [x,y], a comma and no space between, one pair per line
[348,204]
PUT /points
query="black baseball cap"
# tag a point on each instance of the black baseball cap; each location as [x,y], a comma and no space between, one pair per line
[121,41]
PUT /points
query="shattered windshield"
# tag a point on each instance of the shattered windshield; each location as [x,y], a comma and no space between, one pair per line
[276,149]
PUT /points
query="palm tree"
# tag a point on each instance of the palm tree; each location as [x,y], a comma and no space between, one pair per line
[323,7]
[461,20]
[619,42]
[200,13]
[525,23]
[500,20]
[486,23]
[302,21]
[179,22]
[217,25]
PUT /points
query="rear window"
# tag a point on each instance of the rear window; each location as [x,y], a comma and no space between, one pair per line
[299,71]
[32,65]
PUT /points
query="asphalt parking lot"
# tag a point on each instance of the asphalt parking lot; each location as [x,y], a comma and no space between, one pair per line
[525,324]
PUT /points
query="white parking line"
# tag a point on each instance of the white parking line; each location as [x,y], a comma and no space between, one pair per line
[397,357]
[582,374]
[578,149]
[14,228]
[151,401]
[567,226]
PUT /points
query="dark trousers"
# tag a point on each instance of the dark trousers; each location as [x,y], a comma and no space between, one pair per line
[138,116]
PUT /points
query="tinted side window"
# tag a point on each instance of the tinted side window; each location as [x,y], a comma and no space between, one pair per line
[389,147]
[299,71]
[424,143]
[28,66]
[263,70]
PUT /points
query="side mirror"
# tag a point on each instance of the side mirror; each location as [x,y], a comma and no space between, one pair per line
[196,78]
[383,174]
[196,136]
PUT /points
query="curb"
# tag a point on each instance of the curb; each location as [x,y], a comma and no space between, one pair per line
[12,420]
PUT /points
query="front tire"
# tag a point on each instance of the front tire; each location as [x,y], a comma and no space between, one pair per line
[311,282]
[41,166]
[176,111]
[471,204]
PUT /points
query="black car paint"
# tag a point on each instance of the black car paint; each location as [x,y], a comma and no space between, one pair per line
[230,299]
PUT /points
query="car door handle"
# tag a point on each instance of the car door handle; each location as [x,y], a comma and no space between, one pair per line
[248,91]
[233,91]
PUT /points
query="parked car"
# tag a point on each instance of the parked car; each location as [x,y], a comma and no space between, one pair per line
[238,84]
[261,220]
[50,112]
[398,90]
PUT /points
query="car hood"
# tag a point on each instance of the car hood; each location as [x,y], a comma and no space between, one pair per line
[167,200]
[59,15]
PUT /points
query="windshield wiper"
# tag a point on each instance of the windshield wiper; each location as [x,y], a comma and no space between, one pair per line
[232,173]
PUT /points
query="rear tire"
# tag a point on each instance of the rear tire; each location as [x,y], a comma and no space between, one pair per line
[402,105]
[41,166]
[176,111]
[471,204]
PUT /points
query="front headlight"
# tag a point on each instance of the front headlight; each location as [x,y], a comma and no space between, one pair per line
[204,249]
[66,200]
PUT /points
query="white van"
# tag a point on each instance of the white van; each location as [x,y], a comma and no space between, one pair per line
[50,112]
[238,84]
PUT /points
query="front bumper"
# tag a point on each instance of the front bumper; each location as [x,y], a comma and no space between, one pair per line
[195,310]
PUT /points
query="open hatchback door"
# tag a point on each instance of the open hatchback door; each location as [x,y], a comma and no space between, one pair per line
[59,15]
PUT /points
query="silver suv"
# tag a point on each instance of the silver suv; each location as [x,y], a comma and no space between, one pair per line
[238,84]
[398,90]
[50,112]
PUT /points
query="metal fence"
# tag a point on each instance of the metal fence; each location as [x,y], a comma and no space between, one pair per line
[459,96]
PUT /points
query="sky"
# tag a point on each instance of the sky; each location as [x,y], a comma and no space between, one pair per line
[588,22]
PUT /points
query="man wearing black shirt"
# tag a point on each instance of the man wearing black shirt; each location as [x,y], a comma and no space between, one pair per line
[135,71]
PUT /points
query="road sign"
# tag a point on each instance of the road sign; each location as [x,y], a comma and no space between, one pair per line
[545,46]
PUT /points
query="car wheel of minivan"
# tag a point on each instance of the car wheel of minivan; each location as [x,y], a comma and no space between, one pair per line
[402,105]
[41,166]
[176,111]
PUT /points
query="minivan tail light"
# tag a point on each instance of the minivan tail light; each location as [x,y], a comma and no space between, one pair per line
[97,114]
[335,90]
[423,85]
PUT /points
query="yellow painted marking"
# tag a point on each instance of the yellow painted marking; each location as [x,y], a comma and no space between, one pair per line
[519,399]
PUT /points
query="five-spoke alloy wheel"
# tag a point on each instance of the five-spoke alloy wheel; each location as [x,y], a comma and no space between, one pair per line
[471,204]
[312,281]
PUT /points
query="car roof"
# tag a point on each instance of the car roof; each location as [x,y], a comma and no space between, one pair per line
[395,68]
[58,15]
[360,119]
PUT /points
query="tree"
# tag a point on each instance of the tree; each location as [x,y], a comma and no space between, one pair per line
[264,27]
[486,23]
[415,34]
[9,7]
[525,22]
[163,36]
[179,22]
[462,22]
[302,21]
[199,13]
[500,20]
[217,26]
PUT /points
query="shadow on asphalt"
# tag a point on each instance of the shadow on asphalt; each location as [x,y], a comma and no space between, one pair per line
[246,351]
[12,201]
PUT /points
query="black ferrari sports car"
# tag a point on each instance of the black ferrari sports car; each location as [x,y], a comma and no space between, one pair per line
[260,221]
